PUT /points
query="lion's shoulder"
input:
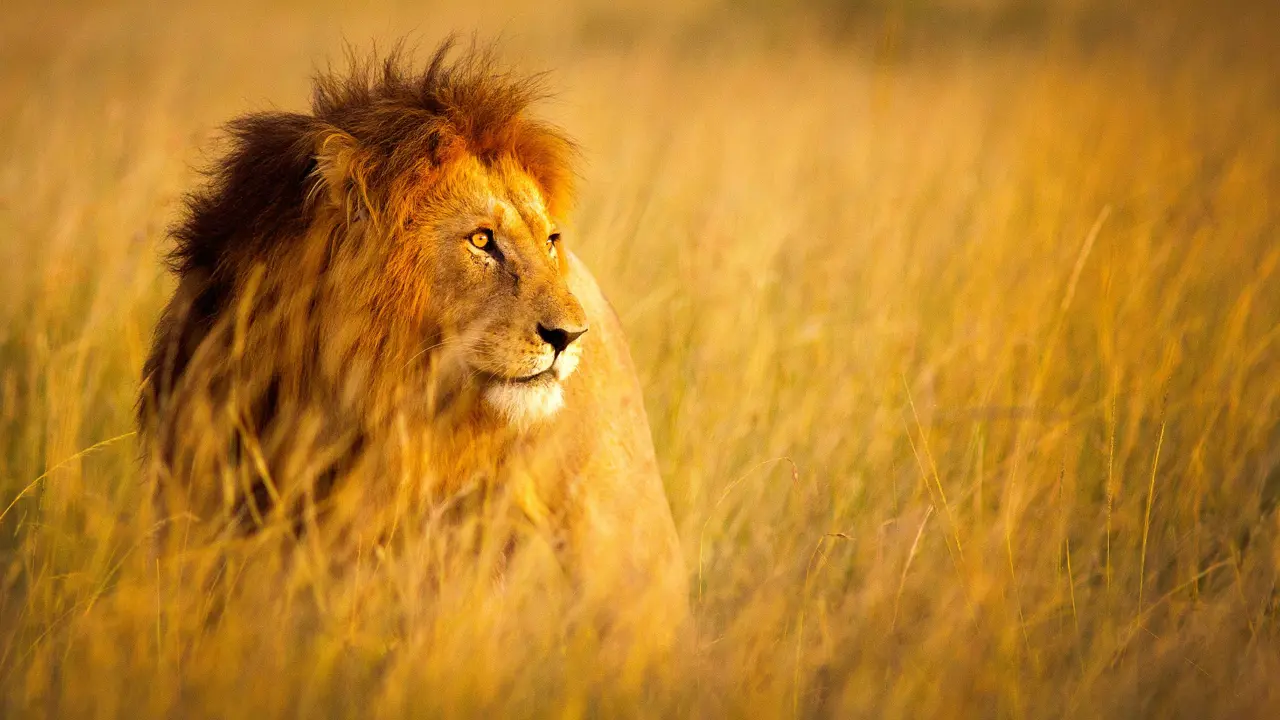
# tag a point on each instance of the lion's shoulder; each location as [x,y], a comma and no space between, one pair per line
[605,401]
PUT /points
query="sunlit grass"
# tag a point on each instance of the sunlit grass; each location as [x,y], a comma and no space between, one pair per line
[962,362]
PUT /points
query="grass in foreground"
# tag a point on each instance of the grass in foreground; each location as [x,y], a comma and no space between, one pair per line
[963,364]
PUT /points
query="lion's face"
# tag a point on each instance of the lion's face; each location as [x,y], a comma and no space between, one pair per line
[500,311]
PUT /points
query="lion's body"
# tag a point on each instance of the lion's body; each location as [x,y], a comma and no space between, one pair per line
[622,496]
[375,314]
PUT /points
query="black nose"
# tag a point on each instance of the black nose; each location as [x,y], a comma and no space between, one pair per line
[559,338]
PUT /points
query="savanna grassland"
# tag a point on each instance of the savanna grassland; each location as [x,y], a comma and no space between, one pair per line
[958,325]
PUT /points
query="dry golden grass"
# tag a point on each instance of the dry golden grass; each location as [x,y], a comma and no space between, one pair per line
[959,333]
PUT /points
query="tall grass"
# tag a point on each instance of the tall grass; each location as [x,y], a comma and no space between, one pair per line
[961,354]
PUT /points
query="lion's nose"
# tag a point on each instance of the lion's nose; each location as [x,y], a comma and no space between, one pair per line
[559,338]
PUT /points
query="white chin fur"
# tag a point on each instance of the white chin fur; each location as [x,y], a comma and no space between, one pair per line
[525,404]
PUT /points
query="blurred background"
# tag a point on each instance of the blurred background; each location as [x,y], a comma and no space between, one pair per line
[957,320]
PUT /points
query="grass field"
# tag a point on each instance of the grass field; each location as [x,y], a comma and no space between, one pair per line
[958,324]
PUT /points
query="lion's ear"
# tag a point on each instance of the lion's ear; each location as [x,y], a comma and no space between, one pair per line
[341,170]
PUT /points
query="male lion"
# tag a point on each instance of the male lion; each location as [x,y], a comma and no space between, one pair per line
[377,298]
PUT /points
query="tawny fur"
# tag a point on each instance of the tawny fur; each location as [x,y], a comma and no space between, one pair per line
[334,319]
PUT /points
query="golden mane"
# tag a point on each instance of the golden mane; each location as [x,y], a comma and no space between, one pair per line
[376,316]
[379,135]
[390,128]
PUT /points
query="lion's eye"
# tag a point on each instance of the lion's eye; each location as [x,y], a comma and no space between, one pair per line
[554,238]
[481,238]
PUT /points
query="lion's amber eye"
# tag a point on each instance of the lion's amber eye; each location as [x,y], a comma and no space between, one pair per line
[481,238]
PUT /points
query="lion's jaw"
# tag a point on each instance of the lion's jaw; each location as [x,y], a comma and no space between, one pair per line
[524,402]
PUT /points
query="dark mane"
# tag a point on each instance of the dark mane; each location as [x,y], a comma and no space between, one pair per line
[376,134]
[393,120]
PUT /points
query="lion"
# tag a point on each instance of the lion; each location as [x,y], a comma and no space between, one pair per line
[379,295]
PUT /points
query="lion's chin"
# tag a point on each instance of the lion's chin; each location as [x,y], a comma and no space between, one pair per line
[523,404]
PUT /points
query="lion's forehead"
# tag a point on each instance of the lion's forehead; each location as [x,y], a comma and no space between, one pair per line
[516,214]
[514,204]
[500,191]
[524,192]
